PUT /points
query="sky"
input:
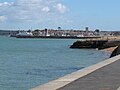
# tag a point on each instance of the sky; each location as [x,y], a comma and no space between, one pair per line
[67,14]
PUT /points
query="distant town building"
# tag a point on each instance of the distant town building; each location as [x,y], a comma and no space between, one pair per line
[59,32]
[97,32]
[46,32]
[59,28]
[86,29]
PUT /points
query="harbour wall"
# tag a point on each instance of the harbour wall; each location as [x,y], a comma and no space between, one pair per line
[57,37]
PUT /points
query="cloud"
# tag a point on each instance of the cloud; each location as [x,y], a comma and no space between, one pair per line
[45,9]
[3,18]
[61,8]
[6,4]
[35,13]
[31,9]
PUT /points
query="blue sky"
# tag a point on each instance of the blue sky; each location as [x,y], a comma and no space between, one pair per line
[69,14]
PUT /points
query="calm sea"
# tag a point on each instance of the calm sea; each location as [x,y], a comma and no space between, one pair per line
[26,63]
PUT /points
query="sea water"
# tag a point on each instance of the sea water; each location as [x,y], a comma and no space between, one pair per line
[26,63]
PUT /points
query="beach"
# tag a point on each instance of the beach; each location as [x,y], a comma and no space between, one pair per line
[109,50]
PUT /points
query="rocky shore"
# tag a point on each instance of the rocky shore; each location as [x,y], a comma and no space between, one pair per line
[100,44]
[111,46]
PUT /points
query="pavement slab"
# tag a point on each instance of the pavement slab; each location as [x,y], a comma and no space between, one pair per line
[105,78]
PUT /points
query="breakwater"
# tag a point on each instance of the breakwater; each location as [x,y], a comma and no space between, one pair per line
[100,44]
[57,37]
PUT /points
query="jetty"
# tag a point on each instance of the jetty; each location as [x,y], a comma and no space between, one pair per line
[95,43]
[101,76]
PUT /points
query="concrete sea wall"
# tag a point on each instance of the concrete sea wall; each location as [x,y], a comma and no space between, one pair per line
[71,78]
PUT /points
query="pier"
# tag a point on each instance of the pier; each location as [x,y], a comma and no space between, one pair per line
[102,76]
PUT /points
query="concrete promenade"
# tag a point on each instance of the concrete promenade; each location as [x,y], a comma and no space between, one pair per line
[106,78]
[102,76]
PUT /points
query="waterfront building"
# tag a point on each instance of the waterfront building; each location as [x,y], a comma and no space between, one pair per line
[46,32]
[24,33]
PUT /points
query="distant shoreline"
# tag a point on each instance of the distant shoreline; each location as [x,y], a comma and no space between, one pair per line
[57,37]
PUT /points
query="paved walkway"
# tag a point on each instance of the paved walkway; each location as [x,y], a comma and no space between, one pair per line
[105,78]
